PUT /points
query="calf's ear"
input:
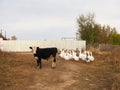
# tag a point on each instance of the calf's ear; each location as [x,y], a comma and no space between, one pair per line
[30,47]
[37,47]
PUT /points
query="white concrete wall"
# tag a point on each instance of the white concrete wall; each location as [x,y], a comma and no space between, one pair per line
[1,44]
[23,45]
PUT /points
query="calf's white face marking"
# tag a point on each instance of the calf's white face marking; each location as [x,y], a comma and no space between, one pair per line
[34,49]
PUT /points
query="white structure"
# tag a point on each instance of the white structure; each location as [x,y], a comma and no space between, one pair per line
[23,45]
[1,44]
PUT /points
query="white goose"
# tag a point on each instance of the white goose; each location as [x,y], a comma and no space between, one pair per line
[75,57]
[66,56]
[70,55]
[62,54]
[80,54]
[90,56]
[83,56]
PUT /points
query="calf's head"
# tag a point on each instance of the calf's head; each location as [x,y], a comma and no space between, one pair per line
[33,49]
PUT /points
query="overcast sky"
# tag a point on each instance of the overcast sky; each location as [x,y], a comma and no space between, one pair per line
[53,19]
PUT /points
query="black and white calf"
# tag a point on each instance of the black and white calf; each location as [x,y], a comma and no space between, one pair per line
[44,53]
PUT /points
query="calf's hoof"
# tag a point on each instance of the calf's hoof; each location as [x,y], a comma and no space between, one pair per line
[53,65]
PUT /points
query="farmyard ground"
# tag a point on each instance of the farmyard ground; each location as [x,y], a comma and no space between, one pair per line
[18,72]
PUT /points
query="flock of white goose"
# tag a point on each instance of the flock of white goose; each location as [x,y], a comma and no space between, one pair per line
[76,55]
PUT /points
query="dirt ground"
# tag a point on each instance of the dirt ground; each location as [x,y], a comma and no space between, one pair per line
[18,72]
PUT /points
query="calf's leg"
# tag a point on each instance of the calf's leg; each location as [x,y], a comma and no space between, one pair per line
[54,63]
[39,63]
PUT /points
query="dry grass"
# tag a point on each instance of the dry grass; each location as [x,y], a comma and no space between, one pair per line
[18,72]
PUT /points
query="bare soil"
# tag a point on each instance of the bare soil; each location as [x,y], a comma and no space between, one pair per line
[18,72]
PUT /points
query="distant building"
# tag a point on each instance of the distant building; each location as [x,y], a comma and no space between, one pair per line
[68,38]
[2,37]
[1,43]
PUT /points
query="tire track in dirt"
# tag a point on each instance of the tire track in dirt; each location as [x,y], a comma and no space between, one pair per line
[55,79]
